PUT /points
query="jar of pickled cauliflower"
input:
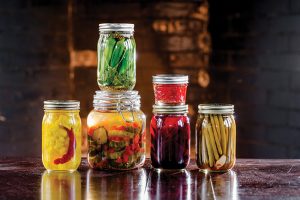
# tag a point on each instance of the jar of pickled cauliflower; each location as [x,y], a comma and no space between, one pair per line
[170,137]
[116,131]
[215,137]
[61,135]
[116,57]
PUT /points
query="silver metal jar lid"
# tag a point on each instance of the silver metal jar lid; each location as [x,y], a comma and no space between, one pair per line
[216,108]
[61,105]
[116,27]
[170,79]
[164,109]
[116,100]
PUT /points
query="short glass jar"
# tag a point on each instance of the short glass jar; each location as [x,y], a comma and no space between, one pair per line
[170,89]
[170,137]
[116,57]
[215,137]
[116,131]
[61,135]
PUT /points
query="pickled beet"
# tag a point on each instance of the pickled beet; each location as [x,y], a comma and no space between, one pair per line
[170,141]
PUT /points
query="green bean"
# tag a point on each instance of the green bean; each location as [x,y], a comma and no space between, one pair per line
[215,134]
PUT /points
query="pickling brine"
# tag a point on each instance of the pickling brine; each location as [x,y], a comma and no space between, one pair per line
[215,137]
[116,131]
[116,57]
[61,135]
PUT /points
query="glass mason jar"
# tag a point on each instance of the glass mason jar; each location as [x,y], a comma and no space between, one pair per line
[61,135]
[116,57]
[215,137]
[116,131]
[170,137]
[170,88]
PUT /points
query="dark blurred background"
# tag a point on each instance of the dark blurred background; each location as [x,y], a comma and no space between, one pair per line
[242,52]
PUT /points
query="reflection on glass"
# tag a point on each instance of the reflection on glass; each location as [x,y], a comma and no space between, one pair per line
[58,185]
[116,185]
[216,186]
[169,184]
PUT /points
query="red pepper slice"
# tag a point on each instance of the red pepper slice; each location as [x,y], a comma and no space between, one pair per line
[119,128]
[72,145]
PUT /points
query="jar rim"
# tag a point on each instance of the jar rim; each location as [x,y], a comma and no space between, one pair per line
[170,79]
[61,105]
[170,109]
[216,108]
[126,27]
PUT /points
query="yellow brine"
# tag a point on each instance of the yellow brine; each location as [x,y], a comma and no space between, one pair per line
[61,135]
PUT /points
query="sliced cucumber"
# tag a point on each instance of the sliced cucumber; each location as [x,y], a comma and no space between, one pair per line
[100,135]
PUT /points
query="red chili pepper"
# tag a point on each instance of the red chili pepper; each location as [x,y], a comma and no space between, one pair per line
[136,138]
[111,150]
[72,145]
[119,128]
[119,160]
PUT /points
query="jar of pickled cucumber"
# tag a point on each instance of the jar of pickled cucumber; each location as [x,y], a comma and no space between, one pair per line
[215,137]
[170,137]
[116,57]
[116,131]
[61,135]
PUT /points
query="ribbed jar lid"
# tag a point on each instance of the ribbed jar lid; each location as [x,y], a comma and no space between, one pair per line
[216,108]
[170,79]
[61,105]
[170,109]
[116,27]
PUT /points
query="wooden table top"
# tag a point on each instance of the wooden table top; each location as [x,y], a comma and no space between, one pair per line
[25,178]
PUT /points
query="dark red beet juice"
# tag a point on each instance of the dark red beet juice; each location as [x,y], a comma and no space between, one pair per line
[170,140]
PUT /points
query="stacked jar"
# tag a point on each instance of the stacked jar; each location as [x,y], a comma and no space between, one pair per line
[170,125]
[116,125]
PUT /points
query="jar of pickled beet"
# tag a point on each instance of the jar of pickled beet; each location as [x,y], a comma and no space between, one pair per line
[116,131]
[170,89]
[170,137]
[61,135]
[215,137]
[116,57]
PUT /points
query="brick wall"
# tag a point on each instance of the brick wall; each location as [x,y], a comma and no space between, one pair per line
[48,51]
[255,65]
[34,62]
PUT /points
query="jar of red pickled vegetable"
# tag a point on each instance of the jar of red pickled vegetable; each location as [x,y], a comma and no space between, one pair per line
[170,89]
[215,137]
[116,57]
[170,137]
[116,131]
[61,135]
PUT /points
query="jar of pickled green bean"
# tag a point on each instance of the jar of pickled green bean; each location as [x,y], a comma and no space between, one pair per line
[116,57]
[215,137]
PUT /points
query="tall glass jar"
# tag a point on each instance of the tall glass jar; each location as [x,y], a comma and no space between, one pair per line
[61,135]
[116,57]
[170,137]
[215,137]
[116,131]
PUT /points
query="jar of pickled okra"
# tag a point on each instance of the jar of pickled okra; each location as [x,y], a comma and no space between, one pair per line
[116,131]
[170,89]
[61,135]
[170,137]
[215,137]
[116,57]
